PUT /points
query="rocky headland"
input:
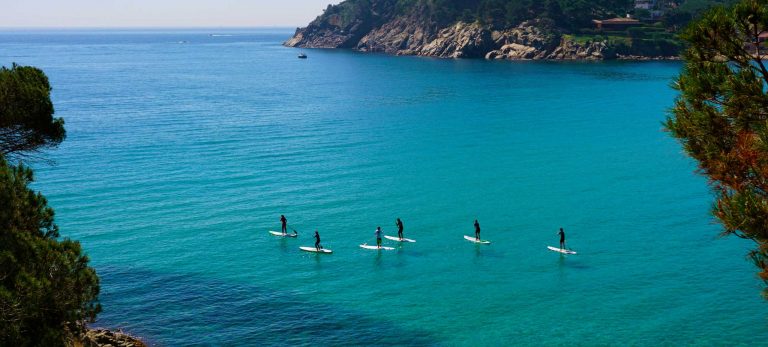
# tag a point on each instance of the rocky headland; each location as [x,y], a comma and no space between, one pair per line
[381,28]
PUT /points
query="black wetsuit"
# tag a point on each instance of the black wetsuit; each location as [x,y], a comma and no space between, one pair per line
[399,228]
[477,230]
[317,241]
[284,222]
[562,239]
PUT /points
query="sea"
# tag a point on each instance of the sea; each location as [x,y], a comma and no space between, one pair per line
[185,146]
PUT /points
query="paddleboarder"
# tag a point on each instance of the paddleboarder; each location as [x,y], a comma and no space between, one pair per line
[399,225]
[317,241]
[378,237]
[562,238]
[284,222]
[477,230]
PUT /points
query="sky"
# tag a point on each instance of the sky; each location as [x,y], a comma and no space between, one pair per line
[159,13]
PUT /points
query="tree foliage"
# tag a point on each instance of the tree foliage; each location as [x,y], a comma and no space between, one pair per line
[47,289]
[721,117]
[567,14]
[685,11]
[26,112]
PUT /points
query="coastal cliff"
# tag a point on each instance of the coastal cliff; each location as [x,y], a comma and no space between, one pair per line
[380,26]
[530,40]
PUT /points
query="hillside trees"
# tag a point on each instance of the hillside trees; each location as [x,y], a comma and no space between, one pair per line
[566,13]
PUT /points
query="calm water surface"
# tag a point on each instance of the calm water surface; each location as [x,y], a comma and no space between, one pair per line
[184,148]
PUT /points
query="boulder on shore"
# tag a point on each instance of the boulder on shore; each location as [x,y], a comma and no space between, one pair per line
[105,338]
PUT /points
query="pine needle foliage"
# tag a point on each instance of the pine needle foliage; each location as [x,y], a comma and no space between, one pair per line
[721,117]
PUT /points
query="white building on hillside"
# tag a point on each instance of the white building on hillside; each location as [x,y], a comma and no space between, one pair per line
[645,4]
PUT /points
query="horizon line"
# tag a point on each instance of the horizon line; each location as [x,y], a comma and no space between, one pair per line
[143,27]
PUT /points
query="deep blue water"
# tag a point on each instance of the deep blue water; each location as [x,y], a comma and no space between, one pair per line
[184,148]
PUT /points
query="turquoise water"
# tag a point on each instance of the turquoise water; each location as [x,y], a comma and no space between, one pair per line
[184,148]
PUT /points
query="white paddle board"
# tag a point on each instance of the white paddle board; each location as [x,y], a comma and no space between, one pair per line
[395,238]
[277,233]
[374,247]
[314,250]
[473,239]
[560,250]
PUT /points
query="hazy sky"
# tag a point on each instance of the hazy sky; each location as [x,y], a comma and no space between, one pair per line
[159,13]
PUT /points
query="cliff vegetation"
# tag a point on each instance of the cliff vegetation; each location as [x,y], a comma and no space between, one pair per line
[505,29]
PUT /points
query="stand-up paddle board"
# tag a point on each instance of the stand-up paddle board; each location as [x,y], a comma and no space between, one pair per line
[277,233]
[314,250]
[560,250]
[473,239]
[395,238]
[375,247]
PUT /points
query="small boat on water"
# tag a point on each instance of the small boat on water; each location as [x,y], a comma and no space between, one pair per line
[302,56]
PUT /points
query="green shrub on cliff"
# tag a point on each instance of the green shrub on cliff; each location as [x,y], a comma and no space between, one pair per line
[566,13]
[47,289]
[686,10]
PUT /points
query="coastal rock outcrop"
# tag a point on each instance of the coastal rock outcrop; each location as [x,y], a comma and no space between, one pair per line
[529,40]
[328,35]
[461,40]
[377,26]
[401,35]
[104,338]
[344,25]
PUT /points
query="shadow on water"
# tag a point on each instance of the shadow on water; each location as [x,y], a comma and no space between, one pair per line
[377,261]
[187,309]
[570,263]
[318,260]
[487,251]
[561,265]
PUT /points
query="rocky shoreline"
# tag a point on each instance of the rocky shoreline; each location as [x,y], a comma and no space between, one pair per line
[383,30]
[106,338]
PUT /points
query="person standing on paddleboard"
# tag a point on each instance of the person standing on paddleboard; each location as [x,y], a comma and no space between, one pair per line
[562,238]
[399,225]
[317,241]
[378,237]
[284,222]
[477,230]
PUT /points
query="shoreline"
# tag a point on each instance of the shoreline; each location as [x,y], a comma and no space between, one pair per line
[102,337]
[618,57]
[646,58]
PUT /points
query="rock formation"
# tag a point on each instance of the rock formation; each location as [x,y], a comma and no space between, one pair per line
[107,338]
[380,27]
